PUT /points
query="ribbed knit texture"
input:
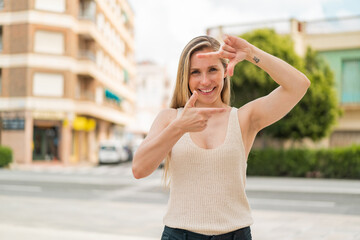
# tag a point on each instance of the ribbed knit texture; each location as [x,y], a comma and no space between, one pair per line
[207,188]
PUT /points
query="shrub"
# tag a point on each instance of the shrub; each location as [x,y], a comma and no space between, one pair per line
[328,163]
[5,156]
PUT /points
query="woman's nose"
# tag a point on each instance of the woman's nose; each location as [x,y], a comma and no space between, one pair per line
[204,80]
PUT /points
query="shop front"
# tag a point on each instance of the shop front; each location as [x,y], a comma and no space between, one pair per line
[46,143]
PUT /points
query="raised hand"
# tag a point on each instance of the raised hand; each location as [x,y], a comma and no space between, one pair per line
[234,48]
[193,119]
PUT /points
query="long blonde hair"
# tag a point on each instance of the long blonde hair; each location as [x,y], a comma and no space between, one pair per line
[182,92]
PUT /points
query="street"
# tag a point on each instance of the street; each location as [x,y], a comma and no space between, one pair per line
[106,202]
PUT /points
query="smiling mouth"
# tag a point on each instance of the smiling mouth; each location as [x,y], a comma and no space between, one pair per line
[207,91]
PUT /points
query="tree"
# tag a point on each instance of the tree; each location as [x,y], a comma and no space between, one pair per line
[315,114]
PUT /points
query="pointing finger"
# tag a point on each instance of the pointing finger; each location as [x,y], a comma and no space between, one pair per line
[209,54]
[191,102]
[210,111]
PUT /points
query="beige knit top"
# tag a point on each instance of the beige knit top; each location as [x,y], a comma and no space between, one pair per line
[207,187]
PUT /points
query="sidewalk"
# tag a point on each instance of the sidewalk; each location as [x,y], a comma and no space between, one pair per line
[307,185]
[10,232]
[271,184]
[269,225]
[274,225]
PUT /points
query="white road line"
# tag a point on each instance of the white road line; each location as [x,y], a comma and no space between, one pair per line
[320,189]
[68,179]
[19,188]
[129,193]
[131,189]
[293,203]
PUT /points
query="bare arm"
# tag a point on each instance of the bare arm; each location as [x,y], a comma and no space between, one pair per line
[293,86]
[166,130]
[271,108]
[161,138]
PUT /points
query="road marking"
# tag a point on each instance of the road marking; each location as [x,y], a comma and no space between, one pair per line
[293,203]
[19,188]
[307,189]
[134,189]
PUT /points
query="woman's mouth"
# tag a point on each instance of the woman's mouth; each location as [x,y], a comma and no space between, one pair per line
[206,91]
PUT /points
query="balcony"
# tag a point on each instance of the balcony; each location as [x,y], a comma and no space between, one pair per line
[86,48]
[86,54]
[84,90]
[87,10]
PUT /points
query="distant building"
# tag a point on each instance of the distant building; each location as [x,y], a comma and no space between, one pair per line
[153,91]
[338,41]
[67,74]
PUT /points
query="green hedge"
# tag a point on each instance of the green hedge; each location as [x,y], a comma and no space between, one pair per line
[326,163]
[5,156]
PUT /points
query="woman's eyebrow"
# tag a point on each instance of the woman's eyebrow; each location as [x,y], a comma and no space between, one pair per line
[213,66]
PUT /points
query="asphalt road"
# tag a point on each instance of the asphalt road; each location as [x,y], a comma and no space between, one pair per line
[108,200]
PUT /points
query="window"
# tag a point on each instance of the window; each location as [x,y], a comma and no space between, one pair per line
[53,5]
[1,39]
[126,76]
[350,92]
[87,9]
[49,42]
[48,84]
[0,81]
[100,20]
[99,95]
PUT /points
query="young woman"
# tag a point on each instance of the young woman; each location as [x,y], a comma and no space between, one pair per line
[206,142]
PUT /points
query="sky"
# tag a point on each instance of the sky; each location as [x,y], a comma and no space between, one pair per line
[164,27]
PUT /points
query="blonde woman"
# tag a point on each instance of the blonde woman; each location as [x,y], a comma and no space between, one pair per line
[206,142]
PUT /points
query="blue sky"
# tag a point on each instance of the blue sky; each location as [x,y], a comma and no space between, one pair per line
[163,27]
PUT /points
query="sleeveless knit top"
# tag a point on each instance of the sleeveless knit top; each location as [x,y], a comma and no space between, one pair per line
[207,187]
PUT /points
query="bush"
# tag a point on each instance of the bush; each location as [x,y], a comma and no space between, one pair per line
[327,163]
[5,156]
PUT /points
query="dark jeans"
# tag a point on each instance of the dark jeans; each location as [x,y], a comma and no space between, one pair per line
[181,234]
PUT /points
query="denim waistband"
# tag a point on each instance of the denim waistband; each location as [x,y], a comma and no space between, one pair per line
[242,233]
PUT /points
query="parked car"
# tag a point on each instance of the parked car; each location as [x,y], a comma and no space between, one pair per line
[113,151]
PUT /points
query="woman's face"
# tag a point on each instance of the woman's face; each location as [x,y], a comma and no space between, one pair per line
[207,78]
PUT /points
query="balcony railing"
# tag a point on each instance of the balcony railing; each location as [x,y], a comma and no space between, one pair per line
[87,54]
[283,26]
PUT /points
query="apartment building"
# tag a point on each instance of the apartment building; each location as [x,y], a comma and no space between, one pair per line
[153,93]
[337,40]
[67,73]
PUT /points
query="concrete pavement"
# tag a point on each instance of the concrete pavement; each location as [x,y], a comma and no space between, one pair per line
[268,224]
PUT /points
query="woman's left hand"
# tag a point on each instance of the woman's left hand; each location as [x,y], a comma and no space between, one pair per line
[234,48]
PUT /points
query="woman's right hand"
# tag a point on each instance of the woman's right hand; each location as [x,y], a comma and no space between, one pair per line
[193,119]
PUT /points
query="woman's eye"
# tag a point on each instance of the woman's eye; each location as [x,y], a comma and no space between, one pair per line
[195,72]
[213,69]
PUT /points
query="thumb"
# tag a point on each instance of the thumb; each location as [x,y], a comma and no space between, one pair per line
[230,68]
[191,102]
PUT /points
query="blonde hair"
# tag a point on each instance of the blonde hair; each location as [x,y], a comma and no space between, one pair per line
[182,92]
